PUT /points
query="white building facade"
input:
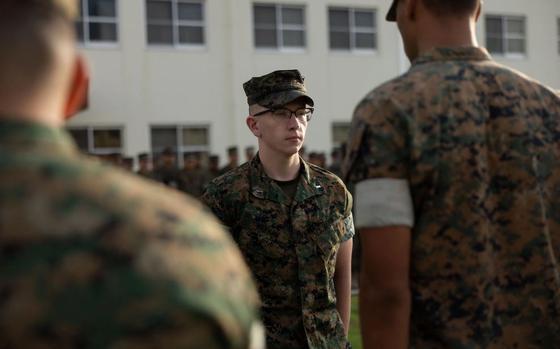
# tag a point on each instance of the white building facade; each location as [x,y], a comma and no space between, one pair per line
[169,73]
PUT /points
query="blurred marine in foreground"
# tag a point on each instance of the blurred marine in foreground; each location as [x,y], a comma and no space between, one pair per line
[90,256]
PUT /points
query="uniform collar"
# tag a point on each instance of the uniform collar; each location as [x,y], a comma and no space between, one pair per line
[25,134]
[263,187]
[308,184]
[468,53]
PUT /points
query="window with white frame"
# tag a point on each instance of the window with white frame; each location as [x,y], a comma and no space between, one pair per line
[352,29]
[97,21]
[98,140]
[506,35]
[279,26]
[181,139]
[175,22]
[340,132]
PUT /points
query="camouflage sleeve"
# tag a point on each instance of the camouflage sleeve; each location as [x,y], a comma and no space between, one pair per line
[348,228]
[213,198]
[377,144]
[377,164]
[348,218]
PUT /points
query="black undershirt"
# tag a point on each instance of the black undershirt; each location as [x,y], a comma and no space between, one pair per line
[289,187]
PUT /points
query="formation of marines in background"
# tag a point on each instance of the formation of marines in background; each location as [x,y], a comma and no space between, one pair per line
[199,168]
[454,165]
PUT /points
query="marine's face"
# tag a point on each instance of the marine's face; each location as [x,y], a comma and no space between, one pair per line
[168,160]
[191,163]
[143,162]
[213,164]
[249,153]
[284,136]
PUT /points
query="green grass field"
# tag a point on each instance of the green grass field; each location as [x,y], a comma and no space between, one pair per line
[354,334]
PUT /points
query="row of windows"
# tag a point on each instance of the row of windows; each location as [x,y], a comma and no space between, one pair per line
[276,26]
[181,23]
[109,140]
[182,139]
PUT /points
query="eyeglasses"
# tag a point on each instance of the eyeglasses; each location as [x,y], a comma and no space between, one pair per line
[302,114]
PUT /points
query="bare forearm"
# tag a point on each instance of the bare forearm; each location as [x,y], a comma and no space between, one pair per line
[343,285]
[384,317]
[343,282]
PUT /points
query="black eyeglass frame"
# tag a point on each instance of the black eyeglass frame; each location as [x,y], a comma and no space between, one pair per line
[308,114]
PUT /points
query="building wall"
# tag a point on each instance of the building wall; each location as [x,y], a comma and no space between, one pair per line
[542,61]
[135,85]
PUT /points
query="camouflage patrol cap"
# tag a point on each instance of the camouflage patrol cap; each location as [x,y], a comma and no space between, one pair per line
[276,89]
[232,150]
[392,13]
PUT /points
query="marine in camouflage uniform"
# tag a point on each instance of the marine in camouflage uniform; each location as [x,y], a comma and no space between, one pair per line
[193,177]
[233,160]
[144,166]
[291,238]
[92,256]
[167,171]
[465,152]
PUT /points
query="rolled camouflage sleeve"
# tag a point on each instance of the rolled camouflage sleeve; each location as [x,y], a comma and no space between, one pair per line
[377,163]
[384,202]
[348,218]
[349,230]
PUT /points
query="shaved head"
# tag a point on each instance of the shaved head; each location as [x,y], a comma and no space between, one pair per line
[451,7]
[34,35]
[42,76]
